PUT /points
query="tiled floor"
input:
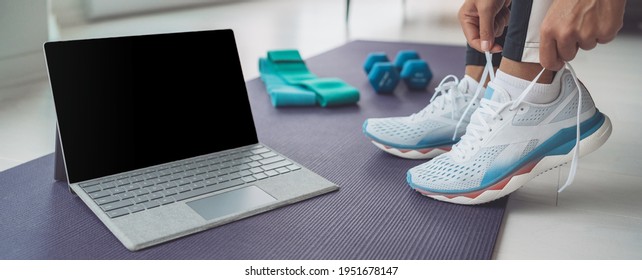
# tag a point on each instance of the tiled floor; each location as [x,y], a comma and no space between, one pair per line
[598,217]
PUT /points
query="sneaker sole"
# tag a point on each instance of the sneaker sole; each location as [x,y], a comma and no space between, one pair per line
[413,154]
[520,177]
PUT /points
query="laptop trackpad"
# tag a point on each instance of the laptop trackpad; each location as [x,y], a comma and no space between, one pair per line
[236,201]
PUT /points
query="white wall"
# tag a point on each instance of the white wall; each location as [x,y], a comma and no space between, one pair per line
[23,31]
[74,12]
[107,8]
[69,12]
[26,24]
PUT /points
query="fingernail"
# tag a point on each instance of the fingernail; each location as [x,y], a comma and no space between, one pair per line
[485,45]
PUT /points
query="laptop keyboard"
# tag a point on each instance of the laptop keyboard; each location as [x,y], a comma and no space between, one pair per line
[155,187]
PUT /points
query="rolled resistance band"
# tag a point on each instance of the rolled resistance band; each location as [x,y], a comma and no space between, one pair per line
[290,83]
[281,93]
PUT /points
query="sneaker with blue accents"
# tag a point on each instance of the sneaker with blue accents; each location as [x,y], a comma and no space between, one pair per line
[510,140]
[431,131]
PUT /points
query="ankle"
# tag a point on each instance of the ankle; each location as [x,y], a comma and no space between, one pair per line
[526,71]
[515,86]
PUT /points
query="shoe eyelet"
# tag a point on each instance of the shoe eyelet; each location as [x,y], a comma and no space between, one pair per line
[481,139]
[521,109]
[490,130]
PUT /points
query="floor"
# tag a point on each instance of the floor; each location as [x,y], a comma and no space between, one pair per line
[598,217]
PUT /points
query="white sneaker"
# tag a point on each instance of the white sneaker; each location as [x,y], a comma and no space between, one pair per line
[431,131]
[509,142]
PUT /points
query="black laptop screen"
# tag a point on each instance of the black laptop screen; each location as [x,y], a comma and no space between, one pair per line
[131,102]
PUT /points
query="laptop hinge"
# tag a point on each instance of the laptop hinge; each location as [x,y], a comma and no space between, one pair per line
[59,163]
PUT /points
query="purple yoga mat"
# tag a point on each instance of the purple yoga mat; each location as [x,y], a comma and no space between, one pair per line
[374,215]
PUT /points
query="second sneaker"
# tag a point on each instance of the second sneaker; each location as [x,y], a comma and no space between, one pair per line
[510,140]
[431,131]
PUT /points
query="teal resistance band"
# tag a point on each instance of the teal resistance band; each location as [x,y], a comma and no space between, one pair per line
[285,75]
[281,93]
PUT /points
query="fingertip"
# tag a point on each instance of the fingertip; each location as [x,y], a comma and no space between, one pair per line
[485,45]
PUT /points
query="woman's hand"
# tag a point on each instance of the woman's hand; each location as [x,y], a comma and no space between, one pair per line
[573,24]
[482,21]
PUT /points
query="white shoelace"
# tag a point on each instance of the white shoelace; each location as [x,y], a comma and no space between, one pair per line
[488,70]
[480,125]
[578,135]
[449,94]
[491,111]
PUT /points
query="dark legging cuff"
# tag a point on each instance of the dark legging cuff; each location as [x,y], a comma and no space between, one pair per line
[518,27]
[474,57]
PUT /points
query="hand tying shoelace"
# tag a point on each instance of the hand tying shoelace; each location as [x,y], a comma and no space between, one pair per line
[491,111]
[512,137]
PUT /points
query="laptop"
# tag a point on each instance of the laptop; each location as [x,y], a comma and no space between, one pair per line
[158,138]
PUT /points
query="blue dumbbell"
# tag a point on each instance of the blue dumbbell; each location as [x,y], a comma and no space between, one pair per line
[414,71]
[382,74]
[403,56]
[416,74]
[408,66]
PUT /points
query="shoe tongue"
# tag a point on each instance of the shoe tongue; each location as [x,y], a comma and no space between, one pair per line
[468,85]
[496,93]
